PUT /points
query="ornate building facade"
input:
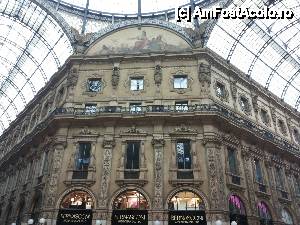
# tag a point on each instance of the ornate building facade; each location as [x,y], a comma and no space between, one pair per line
[142,117]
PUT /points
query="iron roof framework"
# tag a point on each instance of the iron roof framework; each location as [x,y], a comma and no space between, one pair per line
[267,50]
[33,46]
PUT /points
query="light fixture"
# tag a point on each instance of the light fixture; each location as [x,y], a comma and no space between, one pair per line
[42,220]
[233,223]
[219,222]
[157,222]
[13,223]
[98,222]
[30,221]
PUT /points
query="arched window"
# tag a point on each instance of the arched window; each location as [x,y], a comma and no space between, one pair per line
[130,199]
[264,214]
[237,210]
[286,217]
[186,200]
[77,200]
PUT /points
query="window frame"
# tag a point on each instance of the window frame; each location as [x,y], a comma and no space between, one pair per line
[185,80]
[90,80]
[137,88]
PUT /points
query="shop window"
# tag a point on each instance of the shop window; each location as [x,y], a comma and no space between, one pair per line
[186,200]
[237,211]
[130,199]
[77,200]
[132,160]
[184,159]
[264,214]
[94,85]
[82,161]
[137,84]
[181,106]
[180,81]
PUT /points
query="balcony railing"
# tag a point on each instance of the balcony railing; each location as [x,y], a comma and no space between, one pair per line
[153,109]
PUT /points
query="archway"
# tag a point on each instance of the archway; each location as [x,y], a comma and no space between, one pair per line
[286,217]
[264,214]
[130,207]
[237,211]
[186,207]
[76,208]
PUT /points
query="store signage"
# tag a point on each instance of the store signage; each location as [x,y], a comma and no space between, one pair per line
[196,217]
[129,217]
[74,217]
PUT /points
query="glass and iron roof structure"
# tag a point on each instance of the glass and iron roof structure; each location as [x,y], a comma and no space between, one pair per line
[35,41]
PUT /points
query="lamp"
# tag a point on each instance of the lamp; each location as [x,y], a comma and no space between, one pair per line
[30,221]
[13,223]
[98,222]
[42,220]
[233,223]
[157,222]
[219,222]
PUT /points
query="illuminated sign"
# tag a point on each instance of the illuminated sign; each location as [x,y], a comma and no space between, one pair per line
[129,217]
[74,217]
[196,217]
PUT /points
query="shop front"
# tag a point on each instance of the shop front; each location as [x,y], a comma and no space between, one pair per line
[130,207]
[186,207]
[76,208]
[237,211]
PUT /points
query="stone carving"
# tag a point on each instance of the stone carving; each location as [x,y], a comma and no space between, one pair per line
[158,180]
[254,102]
[184,129]
[115,77]
[213,180]
[56,166]
[72,77]
[204,76]
[233,88]
[273,116]
[81,42]
[134,130]
[158,75]
[108,146]
[198,34]
[86,131]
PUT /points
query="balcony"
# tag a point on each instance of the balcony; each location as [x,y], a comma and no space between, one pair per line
[261,190]
[81,177]
[185,177]
[132,176]
[283,195]
[234,181]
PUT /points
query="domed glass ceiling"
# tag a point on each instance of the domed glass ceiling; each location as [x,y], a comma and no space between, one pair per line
[267,50]
[32,47]
[33,44]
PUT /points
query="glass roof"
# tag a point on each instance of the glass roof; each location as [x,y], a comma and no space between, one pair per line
[267,50]
[32,47]
[125,6]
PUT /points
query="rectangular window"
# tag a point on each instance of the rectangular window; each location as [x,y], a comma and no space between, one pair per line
[232,161]
[258,172]
[136,84]
[279,178]
[135,107]
[82,161]
[94,85]
[244,103]
[181,106]
[220,90]
[132,160]
[180,81]
[184,159]
[90,108]
[264,116]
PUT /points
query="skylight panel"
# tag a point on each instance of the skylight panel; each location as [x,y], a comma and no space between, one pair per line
[277,85]
[242,58]
[261,72]
[291,96]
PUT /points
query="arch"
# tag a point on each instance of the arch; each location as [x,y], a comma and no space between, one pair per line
[194,190]
[237,210]
[130,188]
[70,190]
[242,198]
[264,213]
[100,44]
[286,216]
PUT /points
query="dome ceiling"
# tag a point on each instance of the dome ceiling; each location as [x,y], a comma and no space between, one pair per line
[34,44]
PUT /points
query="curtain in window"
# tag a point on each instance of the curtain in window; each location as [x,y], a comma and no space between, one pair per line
[232,161]
[132,156]
[184,159]
[82,159]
